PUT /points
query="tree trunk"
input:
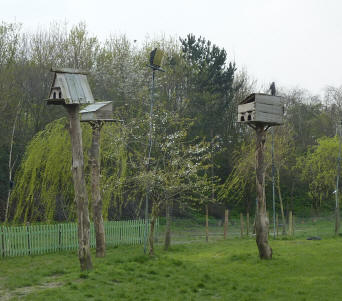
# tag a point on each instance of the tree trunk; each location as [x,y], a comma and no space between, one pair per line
[167,242]
[283,220]
[265,251]
[81,197]
[226,212]
[153,222]
[206,224]
[94,158]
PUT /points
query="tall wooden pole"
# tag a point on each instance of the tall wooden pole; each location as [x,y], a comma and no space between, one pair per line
[81,196]
[262,222]
[337,207]
[10,163]
[94,158]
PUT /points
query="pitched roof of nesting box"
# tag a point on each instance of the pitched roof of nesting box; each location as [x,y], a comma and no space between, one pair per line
[95,106]
[99,111]
[70,86]
[261,108]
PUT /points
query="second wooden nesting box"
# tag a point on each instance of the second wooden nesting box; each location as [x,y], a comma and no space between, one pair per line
[99,111]
[261,108]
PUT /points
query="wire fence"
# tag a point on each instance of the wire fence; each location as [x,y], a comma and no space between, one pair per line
[41,239]
[193,229]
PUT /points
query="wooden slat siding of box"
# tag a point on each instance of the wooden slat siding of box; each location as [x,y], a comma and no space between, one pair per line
[261,117]
[247,107]
[100,111]
[92,116]
[261,108]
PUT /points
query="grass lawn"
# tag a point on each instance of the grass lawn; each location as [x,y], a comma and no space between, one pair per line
[221,270]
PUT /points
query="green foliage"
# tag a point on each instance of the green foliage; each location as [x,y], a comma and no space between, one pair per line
[318,171]
[197,96]
[239,186]
[208,65]
[44,190]
[44,175]
[44,187]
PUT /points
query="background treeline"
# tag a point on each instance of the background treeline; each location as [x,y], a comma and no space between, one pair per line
[200,154]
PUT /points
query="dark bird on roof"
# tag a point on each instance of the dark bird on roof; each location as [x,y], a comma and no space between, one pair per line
[273,89]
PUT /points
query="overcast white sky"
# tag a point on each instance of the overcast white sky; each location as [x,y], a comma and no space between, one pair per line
[296,43]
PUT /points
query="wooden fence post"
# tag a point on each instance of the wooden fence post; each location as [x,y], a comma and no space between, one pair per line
[290,223]
[254,224]
[241,224]
[226,213]
[206,223]
[2,242]
[247,223]
[59,237]
[268,217]
[28,239]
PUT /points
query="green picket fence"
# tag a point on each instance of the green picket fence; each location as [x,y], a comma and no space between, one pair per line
[41,239]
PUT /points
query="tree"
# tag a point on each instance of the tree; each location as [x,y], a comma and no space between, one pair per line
[209,79]
[239,187]
[210,89]
[177,167]
[318,171]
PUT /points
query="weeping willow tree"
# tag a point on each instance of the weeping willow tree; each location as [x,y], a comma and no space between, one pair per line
[44,189]
[240,184]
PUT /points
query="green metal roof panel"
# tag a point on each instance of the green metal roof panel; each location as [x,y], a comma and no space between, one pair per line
[95,107]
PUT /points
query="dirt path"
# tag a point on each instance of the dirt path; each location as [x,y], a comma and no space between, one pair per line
[6,295]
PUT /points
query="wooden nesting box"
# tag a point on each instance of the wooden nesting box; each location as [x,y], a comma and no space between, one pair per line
[261,108]
[70,86]
[99,111]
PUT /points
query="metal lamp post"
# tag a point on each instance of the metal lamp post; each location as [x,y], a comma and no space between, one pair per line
[273,93]
[156,56]
[273,188]
[337,207]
